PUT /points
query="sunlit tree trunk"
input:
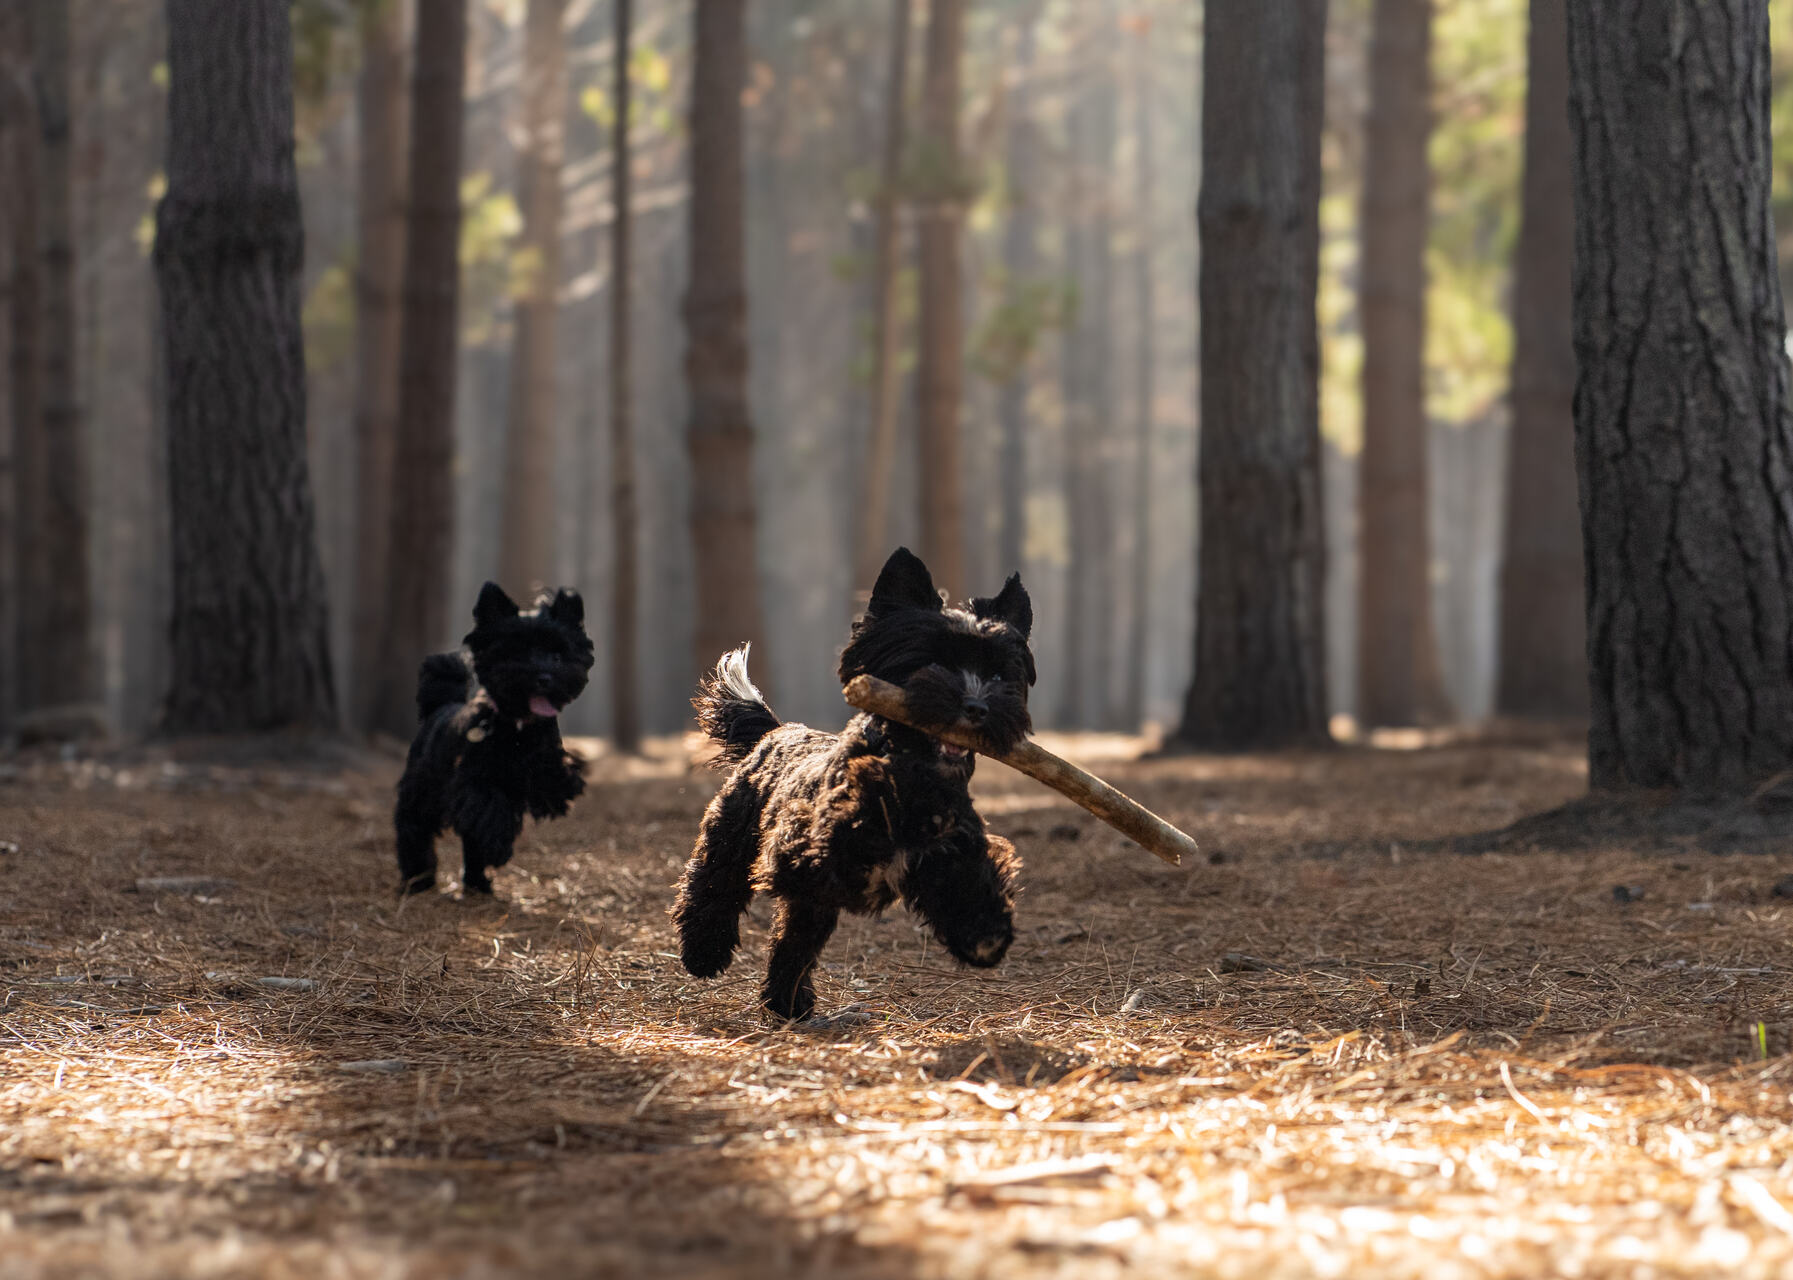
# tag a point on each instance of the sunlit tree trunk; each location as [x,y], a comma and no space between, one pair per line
[249,641]
[527,555]
[1260,646]
[422,501]
[1543,620]
[719,434]
[55,658]
[940,372]
[1088,380]
[1145,334]
[379,282]
[1683,440]
[624,616]
[1020,264]
[1398,673]
[880,458]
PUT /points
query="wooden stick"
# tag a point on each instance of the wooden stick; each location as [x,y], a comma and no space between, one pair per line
[1133,820]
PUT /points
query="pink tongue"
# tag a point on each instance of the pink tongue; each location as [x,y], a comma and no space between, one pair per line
[540,706]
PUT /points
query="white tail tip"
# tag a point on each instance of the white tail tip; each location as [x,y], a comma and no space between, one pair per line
[731,673]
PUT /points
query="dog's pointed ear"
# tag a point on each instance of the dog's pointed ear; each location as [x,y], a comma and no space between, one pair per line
[1011,605]
[493,605]
[904,583]
[567,608]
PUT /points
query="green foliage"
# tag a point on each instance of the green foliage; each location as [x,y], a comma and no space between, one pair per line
[329,317]
[1780,18]
[1011,330]
[1477,154]
[490,267]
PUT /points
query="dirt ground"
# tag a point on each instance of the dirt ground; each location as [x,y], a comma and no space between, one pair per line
[1328,1049]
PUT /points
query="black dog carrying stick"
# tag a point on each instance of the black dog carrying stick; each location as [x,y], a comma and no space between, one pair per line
[1133,820]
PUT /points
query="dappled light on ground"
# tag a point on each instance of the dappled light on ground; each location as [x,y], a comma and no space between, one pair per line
[1329,1048]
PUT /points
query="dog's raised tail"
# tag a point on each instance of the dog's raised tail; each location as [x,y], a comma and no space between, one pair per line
[442,681]
[730,710]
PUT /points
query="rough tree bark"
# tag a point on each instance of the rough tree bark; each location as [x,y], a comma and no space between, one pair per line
[421,537]
[527,555]
[1398,673]
[1139,617]
[18,328]
[719,434]
[880,456]
[1260,643]
[940,369]
[379,281]
[1683,439]
[1543,637]
[249,642]
[56,653]
[624,677]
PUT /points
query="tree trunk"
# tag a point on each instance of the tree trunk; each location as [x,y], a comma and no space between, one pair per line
[1260,645]
[624,673]
[379,281]
[1021,264]
[56,653]
[1543,621]
[1145,333]
[249,640]
[940,371]
[880,457]
[18,326]
[1089,388]
[1398,673]
[720,432]
[422,500]
[527,559]
[1682,435]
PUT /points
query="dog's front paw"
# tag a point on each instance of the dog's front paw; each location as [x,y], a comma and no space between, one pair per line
[707,954]
[476,884]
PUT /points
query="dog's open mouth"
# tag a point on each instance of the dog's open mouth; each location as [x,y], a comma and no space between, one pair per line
[540,707]
[949,751]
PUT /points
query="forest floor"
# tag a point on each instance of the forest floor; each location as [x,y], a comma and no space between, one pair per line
[1331,1048]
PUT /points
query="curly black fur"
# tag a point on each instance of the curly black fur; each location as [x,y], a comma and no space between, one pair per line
[854,821]
[488,746]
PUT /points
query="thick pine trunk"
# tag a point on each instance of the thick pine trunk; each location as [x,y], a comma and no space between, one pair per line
[56,656]
[379,282]
[1020,264]
[881,449]
[18,329]
[940,371]
[249,641]
[719,433]
[527,558]
[1543,620]
[1682,435]
[1398,673]
[422,500]
[1260,646]
[1145,333]
[624,674]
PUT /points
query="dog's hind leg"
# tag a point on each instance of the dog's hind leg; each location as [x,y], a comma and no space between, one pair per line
[718,882]
[416,828]
[798,936]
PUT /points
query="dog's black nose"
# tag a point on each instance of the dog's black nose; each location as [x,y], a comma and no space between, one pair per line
[544,679]
[976,709]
